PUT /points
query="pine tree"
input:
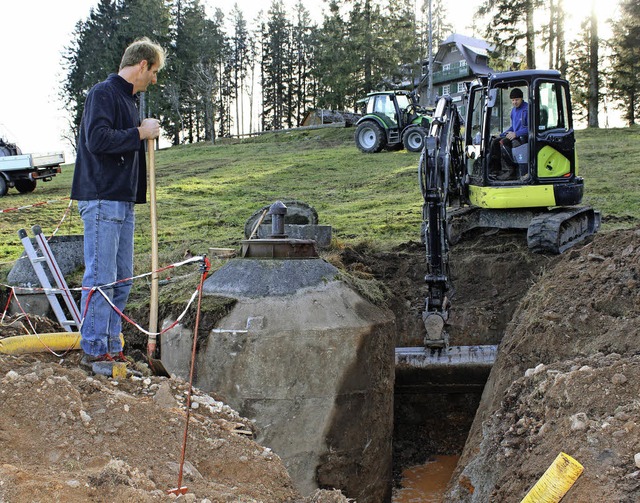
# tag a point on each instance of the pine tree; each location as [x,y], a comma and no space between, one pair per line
[146,18]
[337,62]
[185,29]
[276,42]
[625,85]
[401,58]
[253,62]
[511,24]
[98,44]
[240,55]
[553,38]
[206,78]
[578,71]
[93,54]
[441,29]
[303,41]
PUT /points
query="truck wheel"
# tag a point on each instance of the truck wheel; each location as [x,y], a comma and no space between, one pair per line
[24,185]
[370,138]
[3,187]
[413,139]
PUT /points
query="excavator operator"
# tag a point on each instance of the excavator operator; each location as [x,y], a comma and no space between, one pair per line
[515,136]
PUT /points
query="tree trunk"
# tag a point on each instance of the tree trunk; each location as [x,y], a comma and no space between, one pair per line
[368,49]
[531,42]
[552,32]
[594,97]
[562,52]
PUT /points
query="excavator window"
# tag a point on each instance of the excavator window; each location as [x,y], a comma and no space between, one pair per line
[553,107]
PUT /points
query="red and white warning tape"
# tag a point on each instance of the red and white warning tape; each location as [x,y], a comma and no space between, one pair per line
[27,206]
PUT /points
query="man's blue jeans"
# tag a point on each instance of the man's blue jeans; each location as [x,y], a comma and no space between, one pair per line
[108,257]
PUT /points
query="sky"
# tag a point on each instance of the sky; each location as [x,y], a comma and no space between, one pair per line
[33,37]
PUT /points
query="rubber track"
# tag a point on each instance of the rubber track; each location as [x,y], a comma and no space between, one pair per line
[559,230]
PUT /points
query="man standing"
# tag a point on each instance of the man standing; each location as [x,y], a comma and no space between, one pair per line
[516,135]
[110,177]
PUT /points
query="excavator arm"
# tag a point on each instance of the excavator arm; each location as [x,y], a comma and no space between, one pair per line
[442,180]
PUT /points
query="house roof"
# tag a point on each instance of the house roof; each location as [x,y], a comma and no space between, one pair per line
[470,48]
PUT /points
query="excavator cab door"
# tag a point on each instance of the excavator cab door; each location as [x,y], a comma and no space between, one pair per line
[554,139]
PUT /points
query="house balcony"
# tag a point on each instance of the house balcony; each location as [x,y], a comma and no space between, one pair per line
[451,74]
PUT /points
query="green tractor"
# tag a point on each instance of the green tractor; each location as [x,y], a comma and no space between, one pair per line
[391,120]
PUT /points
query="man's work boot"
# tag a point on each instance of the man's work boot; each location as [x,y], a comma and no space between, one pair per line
[119,357]
[87,360]
[508,170]
[506,175]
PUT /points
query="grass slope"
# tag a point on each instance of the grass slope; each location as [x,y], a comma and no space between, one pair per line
[206,192]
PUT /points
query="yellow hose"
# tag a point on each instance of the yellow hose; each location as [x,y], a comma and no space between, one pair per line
[22,344]
[61,341]
[556,481]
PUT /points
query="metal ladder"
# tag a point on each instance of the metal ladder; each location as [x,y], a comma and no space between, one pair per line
[37,261]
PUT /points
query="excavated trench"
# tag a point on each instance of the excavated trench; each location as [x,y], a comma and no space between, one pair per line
[339,348]
[434,408]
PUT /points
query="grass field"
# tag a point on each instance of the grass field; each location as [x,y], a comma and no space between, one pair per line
[206,193]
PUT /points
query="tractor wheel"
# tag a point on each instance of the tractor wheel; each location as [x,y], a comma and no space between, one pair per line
[413,139]
[3,186]
[24,185]
[370,137]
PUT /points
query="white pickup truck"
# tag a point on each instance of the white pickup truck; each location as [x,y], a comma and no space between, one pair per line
[23,170]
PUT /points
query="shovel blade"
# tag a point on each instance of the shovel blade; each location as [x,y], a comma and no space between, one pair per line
[156,366]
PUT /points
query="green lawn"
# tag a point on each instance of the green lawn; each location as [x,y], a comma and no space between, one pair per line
[206,192]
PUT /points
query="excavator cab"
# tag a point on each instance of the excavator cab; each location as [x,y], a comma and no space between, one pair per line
[541,159]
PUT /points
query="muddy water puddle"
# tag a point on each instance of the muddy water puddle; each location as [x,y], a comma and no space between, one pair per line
[426,483]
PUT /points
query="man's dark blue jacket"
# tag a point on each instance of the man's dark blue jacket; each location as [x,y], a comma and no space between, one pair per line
[110,160]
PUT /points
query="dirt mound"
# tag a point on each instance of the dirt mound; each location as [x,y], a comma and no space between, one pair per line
[20,324]
[566,379]
[68,436]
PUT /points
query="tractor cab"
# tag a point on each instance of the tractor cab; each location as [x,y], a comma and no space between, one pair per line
[391,120]
[541,148]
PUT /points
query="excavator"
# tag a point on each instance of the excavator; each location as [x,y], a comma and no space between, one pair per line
[462,186]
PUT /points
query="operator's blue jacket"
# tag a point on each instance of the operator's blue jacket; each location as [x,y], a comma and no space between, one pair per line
[519,120]
[110,160]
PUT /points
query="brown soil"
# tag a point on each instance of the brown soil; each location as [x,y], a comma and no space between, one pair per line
[566,379]
[69,436]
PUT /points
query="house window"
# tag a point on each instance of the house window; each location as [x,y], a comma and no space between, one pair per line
[454,49]
[446,67]
[461,87]
[445,89]
[463,63]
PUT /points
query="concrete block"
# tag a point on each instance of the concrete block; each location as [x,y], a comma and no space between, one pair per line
[314,371]
[68,252]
